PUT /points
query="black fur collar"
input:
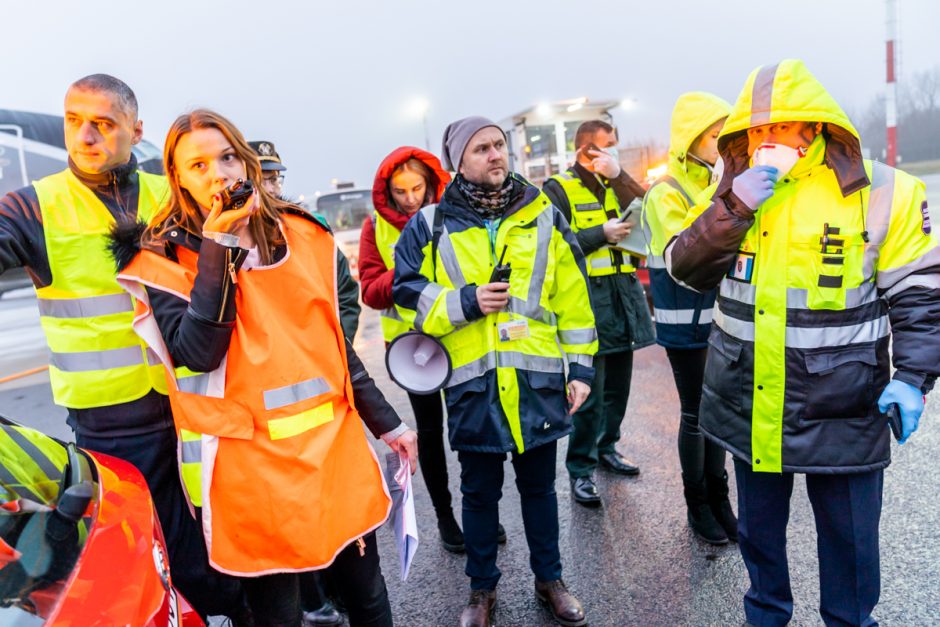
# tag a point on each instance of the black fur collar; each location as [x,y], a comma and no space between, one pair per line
[124,242]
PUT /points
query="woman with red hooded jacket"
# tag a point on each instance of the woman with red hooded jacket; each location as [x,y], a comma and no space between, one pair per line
[407,180]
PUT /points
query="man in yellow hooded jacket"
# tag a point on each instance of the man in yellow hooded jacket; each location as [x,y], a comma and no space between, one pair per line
[822,259]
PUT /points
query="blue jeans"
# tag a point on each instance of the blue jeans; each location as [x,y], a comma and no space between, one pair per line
[847,508]
[481,482]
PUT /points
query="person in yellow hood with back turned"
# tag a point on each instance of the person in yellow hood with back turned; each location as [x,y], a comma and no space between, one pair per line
[822,259]
[683,316]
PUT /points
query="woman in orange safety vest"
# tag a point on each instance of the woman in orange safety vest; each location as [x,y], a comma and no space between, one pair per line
[240,304]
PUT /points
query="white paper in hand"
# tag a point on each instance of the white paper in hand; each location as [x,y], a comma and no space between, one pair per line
[402,518]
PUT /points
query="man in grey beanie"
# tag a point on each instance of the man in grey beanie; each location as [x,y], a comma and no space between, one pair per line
[506,293]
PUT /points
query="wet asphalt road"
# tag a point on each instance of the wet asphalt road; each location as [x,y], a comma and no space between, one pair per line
[633,561]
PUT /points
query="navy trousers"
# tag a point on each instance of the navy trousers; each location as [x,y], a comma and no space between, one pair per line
[481,482]
[847,508]
[597,422]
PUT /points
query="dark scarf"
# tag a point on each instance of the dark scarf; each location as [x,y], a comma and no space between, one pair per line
[489,203]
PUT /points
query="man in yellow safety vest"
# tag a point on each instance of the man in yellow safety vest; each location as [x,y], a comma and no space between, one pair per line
[112,387]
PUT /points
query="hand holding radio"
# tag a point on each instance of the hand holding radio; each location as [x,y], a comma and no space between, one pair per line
[232,208]
[903,404]
[494,295]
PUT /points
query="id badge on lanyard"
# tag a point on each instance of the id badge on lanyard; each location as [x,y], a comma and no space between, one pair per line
[513,330]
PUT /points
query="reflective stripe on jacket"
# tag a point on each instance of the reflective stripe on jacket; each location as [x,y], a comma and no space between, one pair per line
[503,395]
[288,478]
[96,359]
[31,465]
[683,316]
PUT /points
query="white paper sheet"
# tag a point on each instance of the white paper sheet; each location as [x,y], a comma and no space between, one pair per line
[402,518]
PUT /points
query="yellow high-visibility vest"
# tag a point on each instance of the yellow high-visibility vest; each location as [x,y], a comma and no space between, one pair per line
[386,236]
[96,359]
[586,212]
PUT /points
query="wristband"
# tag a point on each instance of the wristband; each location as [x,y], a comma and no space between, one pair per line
[225,239]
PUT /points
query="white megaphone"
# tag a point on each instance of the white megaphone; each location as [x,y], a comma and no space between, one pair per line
[418,363]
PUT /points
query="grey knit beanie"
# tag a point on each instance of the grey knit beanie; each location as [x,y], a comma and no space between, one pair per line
[456,137]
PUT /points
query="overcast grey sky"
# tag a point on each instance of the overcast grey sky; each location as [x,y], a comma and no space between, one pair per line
[331,82]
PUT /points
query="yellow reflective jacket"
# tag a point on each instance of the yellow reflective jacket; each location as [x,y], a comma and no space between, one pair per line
[810,285]
[504,394]
[31,465]
[683,316]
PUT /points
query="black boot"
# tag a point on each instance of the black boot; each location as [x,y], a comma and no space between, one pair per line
[717,487]
[700,516]
[451,535]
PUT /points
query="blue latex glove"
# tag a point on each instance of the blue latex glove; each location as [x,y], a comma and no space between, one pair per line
[755,185]
[909,400]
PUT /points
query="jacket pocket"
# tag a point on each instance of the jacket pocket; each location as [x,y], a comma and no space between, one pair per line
[469,417]
[543,407]
[724,374]
[839,382]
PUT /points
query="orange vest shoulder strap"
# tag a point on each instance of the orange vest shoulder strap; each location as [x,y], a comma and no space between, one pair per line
[156,271]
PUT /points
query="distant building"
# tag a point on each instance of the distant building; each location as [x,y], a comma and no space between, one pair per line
[541,138]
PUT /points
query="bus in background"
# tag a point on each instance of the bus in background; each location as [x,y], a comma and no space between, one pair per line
[345,210]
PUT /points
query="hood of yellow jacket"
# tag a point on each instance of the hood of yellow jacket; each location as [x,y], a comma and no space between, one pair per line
[788,92]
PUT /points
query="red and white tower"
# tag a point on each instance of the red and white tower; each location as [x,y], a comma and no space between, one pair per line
[891,98]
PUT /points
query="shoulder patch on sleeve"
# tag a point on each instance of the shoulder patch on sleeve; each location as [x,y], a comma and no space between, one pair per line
[925,219]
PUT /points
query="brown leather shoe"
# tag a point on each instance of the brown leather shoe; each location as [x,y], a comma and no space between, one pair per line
[478,610]
[564,606]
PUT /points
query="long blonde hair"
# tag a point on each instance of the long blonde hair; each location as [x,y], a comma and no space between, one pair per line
[183,211]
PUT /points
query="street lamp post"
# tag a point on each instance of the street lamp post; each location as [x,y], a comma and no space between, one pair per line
[427,137]
[420,108]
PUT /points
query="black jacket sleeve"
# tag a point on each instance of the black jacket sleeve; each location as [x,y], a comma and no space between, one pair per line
[348,291]
[589,239]
[915,336]
[22,239]
[701,254]
[380,417]
[197,333]
[626,189]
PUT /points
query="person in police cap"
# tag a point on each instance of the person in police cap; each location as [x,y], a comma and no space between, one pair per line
[822,259]
[592,195]
[272,179]
[505,336]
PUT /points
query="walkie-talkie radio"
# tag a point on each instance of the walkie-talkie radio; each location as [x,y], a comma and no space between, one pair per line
[502,271]
[237,194]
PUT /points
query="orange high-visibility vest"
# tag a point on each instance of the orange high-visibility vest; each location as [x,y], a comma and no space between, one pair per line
[288,476]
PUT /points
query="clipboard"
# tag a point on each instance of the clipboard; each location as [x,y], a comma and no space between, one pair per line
[637,242]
